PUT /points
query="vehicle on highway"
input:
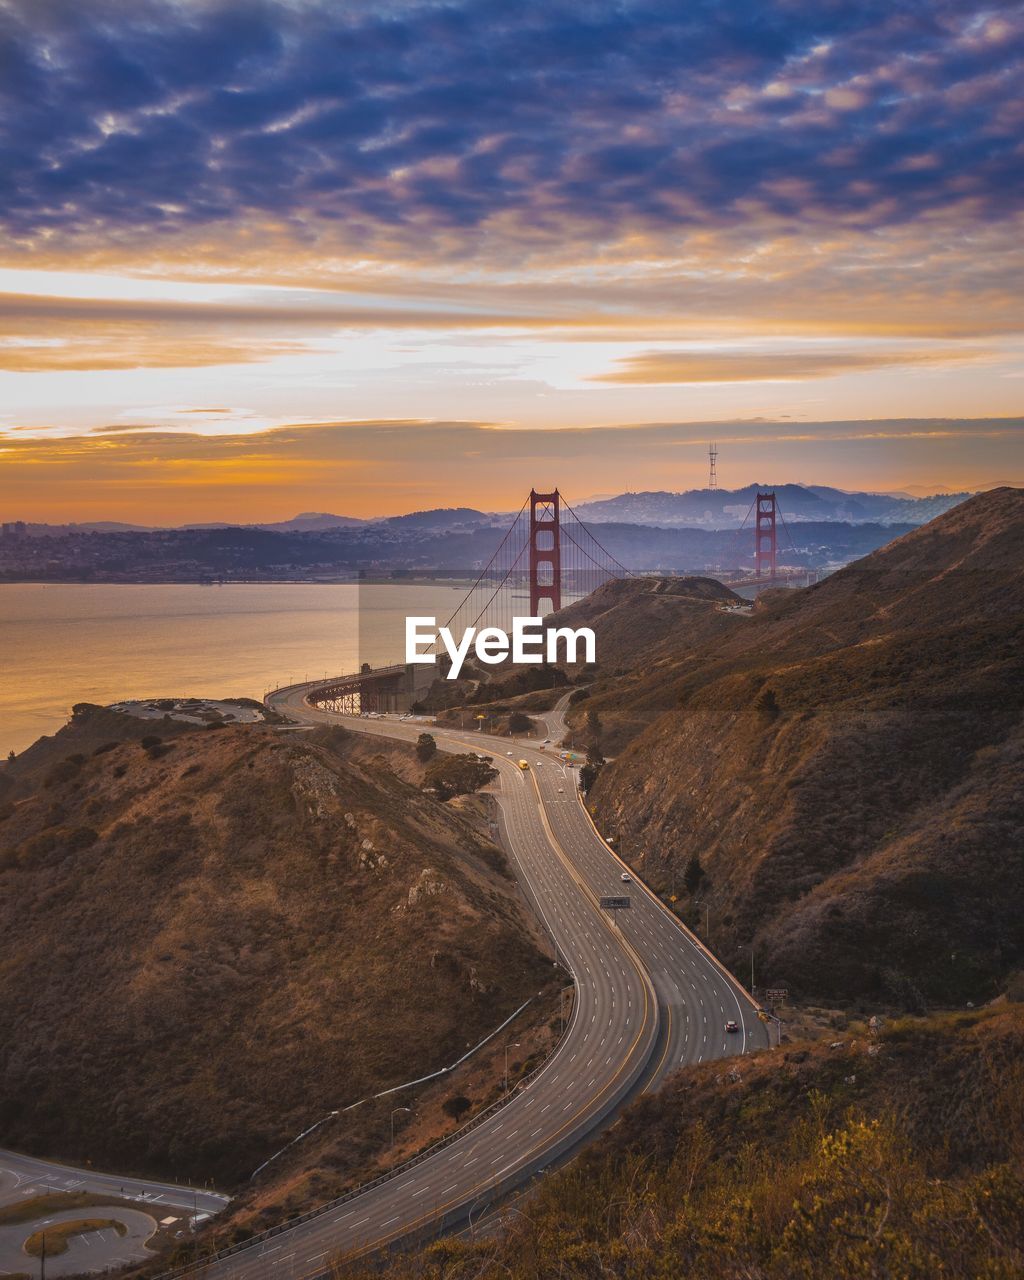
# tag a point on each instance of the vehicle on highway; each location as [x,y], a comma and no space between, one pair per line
[524,764]
[626,877]
[732,1026]
[510,753]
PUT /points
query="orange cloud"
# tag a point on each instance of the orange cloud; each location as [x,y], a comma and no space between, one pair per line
[655,367]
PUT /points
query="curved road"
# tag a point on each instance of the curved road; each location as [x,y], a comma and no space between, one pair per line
[88,1254]
[649,998]
[22,1177]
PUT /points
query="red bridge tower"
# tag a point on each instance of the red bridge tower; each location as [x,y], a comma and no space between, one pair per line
[765,545]
[545,554]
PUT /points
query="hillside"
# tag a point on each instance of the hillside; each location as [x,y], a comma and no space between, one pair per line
[891,1156]
[212,940]
[846,766]
[643,627]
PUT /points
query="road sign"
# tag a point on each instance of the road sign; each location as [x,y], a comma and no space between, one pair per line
[614,904]
[777,995]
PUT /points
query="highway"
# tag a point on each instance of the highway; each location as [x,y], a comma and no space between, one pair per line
[649,999]
[696,996]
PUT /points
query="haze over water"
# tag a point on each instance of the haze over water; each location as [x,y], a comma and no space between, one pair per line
[67,643]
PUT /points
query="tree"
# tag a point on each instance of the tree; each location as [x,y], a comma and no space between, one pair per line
[593,723]
[457,775]
[594,755]
[426,747]
[518,723]
[588,776]
[456,1106]
[693,876]
[767,705]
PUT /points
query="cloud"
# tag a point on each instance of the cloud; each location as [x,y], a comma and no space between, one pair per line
[660,367]
[479,126]
[377,467]
[40,333]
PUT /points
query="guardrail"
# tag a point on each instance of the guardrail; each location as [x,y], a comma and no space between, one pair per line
[388,1176]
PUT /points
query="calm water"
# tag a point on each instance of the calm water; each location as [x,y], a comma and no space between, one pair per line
[62,644]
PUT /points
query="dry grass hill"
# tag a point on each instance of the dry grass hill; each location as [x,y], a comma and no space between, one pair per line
[213,939]
[645,627]
[846,765]
[891,1156]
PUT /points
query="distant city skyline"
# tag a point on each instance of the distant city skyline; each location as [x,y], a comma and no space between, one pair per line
[269,257]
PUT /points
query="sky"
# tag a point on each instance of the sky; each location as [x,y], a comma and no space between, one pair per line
[273,256]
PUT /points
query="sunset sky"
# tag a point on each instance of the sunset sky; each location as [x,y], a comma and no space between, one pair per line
[267,257]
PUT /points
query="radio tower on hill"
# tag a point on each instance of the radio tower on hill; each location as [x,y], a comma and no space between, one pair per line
[713,458]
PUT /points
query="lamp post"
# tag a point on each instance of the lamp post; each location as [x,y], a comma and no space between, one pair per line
[507,1047]
[393,1114]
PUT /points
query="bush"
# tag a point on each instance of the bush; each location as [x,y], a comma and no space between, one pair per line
[518,723]
[458,775]
[150,740]
[61,772]
[456,1106]
[694,875]
[426,747]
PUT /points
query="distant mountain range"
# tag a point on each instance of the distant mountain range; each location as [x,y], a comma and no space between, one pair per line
[692,508]
[728,508]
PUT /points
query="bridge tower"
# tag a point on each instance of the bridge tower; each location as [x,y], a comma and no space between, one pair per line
[765,544]
[545,554]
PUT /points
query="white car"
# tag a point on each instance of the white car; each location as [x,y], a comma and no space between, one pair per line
[625,877]
[509,753]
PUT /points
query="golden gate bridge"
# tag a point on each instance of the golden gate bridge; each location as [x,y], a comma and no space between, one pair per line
[547,559]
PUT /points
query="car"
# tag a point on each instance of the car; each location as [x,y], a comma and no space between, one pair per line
[625,877]
[732,1026]
[560,790]
[510,753]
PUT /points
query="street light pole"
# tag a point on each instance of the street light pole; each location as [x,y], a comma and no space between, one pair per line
[516,1045]
[393,1114]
